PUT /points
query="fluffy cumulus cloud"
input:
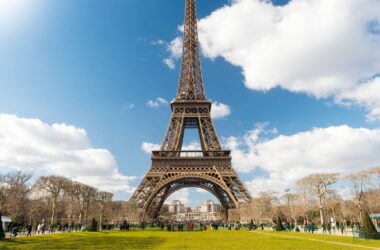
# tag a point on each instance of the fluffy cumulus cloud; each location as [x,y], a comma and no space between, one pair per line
[194,145]
[183,195]
[158,102]
[220,110]
[282,160]
[174,48]
[148,147]
[169,62]
[322,48]
[366,95]
[34,146]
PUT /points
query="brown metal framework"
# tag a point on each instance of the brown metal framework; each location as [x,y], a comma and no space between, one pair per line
[173,169]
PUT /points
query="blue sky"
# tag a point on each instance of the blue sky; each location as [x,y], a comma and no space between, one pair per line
[95,65]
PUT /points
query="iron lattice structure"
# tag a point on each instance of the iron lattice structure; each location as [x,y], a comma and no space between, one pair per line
[173,169]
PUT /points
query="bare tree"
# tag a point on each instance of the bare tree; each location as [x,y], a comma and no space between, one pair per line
[374,174]
[2,192]
[332,205]
[307,203]
[290,198]
[102,198]
[266,202]
[131,212]
[53,185]
[73,194]
[371,200]
[16,191]
[318,184]
[87,194]
[358,185]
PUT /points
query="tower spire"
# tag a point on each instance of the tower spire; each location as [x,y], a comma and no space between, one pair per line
[190,86]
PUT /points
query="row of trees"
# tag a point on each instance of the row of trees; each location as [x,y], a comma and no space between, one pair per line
[320,197]
[55,199]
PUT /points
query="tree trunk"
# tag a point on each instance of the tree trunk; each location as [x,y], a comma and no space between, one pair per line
[322,215]
[360,209]
[321,211]
[54,201]
[81,216]
[101,221]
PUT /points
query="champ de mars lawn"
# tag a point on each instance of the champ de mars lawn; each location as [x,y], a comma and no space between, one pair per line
[188,240]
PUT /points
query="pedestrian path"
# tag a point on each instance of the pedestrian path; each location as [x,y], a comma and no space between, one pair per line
[317,240]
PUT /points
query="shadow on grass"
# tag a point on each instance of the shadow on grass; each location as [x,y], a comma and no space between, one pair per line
[94,241]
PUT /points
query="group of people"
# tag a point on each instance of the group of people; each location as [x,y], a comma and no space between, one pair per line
[16,228]
[332,227]
[180,226]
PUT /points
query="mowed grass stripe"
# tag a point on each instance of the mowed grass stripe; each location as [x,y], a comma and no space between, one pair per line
[185,240]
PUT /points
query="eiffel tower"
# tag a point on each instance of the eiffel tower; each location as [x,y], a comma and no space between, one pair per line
[173,168]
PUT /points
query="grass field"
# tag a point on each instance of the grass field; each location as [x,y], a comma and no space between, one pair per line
[188,240]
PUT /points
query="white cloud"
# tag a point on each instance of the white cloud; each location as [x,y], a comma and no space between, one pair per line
[169,62]
[148,147]
[220,110]
[158,42]
[182,195]
[285,159]
[157,103]
[367,95]
[34,146]
[322,48]
[194,145]
[202,191]
[175,48]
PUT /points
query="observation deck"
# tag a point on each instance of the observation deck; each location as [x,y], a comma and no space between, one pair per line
[191,154]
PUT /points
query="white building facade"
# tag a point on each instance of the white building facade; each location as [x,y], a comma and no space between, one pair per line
[176,210]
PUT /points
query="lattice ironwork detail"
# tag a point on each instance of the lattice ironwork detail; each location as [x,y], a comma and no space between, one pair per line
[190,85]
[209,168]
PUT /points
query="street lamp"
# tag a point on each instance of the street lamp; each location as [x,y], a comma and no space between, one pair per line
[287,191]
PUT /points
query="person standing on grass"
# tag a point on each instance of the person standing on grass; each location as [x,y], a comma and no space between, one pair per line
[324,228]
[39,228]
[341,227]
[329,228]
[14,231]
[29,228]
[313,227]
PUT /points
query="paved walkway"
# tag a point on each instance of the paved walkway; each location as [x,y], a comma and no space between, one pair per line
[325,241]
[320,231]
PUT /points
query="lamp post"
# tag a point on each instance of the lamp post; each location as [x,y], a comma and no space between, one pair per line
[290,212]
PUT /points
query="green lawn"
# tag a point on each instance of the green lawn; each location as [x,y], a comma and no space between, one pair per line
[187,240]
